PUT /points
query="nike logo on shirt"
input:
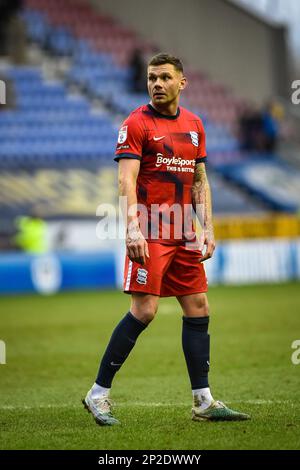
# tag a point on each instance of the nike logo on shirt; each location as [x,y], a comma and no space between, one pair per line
[158,138]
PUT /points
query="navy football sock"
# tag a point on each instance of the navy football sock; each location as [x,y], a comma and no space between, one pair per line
[121,343]
[195,344]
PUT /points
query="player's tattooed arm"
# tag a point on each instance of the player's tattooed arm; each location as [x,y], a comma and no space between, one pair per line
[136,245]
[201,196]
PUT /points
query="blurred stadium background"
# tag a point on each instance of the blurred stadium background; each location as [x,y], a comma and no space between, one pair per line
[66,67]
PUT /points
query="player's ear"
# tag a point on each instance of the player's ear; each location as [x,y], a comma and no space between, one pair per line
[183,83]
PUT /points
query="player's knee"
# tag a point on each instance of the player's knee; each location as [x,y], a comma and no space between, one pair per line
[147,316]
[198,308]
[145,310]
[203,311]
[202,307]
[146,313]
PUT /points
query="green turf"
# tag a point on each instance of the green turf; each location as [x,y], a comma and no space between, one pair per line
[53,348]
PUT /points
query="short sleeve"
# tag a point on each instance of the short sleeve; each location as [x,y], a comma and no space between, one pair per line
[130,139]
[201,157]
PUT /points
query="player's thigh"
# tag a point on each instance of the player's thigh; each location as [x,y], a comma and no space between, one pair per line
[194,305]
[185,275]
[147,278]
[144,306]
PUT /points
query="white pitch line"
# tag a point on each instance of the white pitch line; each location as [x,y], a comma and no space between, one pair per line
[137,404]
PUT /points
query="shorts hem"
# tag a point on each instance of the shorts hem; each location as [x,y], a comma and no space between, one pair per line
[198,291]
[202,291]
[140,292]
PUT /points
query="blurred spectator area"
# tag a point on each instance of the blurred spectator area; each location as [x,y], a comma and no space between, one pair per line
[12,33]
[58,139]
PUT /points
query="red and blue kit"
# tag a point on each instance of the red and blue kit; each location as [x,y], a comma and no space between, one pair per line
[168,148]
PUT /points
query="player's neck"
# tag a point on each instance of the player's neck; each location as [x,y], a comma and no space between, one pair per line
[168,110]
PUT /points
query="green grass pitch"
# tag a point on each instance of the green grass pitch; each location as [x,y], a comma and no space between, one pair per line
[54,344]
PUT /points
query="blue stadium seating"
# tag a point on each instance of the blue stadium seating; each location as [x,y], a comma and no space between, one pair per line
[52,128]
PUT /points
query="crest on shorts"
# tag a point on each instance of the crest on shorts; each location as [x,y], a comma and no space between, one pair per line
[194,137]
[122,135]
[142,276]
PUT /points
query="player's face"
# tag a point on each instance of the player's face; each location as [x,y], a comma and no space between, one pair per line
[164,84]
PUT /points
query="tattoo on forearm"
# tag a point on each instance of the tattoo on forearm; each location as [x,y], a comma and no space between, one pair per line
[202,199]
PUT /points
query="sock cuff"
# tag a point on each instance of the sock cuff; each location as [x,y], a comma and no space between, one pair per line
[196,323]
[131,317]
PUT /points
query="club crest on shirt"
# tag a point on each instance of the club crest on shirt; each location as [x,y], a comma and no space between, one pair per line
[194,137]
[142,276]
[122,135]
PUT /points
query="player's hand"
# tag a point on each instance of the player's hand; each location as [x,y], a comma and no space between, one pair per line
[136,246]
[210,243]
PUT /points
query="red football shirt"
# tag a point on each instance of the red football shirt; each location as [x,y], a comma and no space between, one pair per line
[168,148]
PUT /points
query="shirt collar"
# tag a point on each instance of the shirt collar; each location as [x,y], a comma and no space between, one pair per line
[165,116]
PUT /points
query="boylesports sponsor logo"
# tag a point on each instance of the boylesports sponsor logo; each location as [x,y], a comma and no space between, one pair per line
[177,161]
